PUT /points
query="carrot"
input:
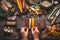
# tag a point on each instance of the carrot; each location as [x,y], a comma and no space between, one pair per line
[32,22]
[19,4]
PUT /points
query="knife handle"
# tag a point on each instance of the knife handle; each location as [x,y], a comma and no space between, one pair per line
[54,20]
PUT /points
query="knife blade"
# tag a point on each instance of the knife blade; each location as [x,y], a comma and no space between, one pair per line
[57,14]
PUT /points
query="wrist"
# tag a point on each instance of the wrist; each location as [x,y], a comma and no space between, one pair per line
[36,38]
[24,38]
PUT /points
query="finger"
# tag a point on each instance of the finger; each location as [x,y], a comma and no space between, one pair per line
[32,30]
[27,30]
[22,29]
[36,29]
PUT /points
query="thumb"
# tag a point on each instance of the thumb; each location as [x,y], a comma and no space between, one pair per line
[36,29]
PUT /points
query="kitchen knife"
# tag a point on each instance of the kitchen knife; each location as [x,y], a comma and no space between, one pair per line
[57,14]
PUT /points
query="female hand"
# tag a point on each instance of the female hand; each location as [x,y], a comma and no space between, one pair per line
[24,33]
[35,33]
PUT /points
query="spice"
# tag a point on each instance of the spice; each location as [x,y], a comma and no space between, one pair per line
[46,3]
[11,23]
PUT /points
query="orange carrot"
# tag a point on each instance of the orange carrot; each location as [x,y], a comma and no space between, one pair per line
[19,4]
[32,22]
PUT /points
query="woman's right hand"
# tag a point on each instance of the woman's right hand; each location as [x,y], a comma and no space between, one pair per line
[35,33]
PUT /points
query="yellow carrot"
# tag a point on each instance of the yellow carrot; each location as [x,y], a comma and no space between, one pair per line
[29,22]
